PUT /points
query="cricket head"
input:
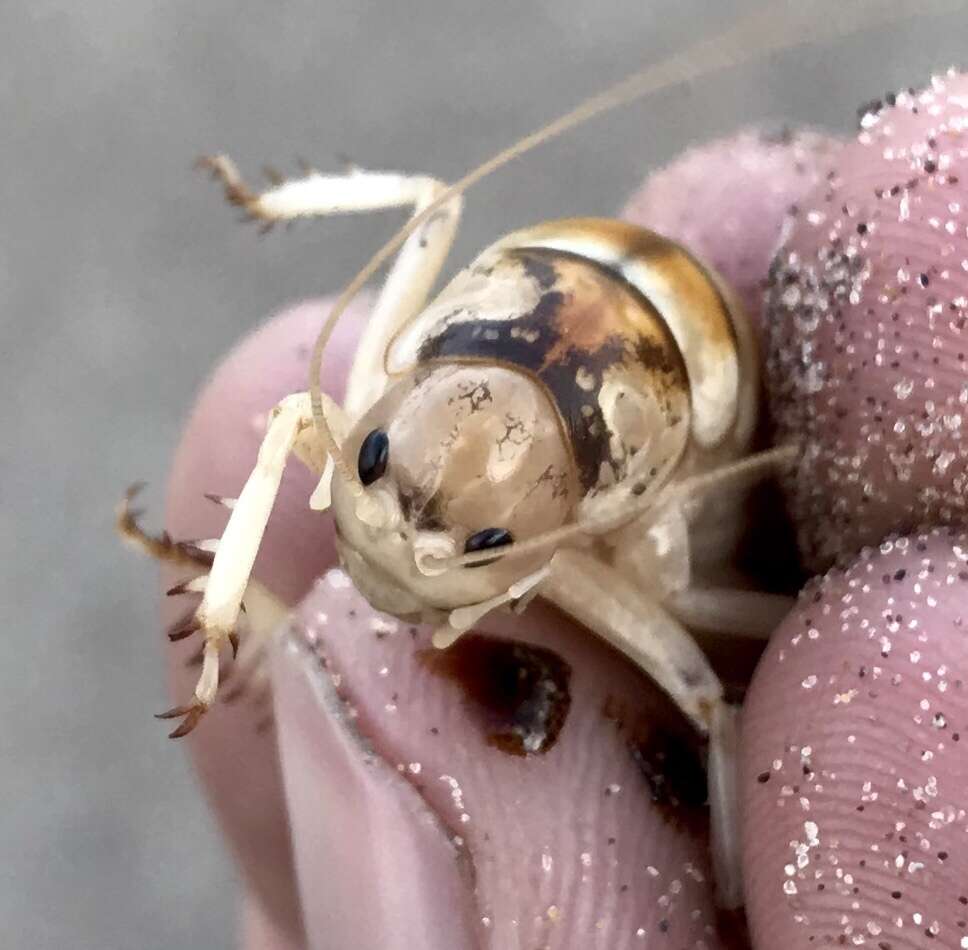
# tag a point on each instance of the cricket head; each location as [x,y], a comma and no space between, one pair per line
[454,460]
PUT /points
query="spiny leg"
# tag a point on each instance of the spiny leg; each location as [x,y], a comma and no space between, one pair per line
[315,195]
[264,612]
[162,547]
[216,617]
[413,273]
[606,602]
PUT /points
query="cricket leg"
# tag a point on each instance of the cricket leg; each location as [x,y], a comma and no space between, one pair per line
[601,598]
[742,613]
[414,271]
[290,429]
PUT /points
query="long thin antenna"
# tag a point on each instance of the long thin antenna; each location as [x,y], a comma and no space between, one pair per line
[766,30]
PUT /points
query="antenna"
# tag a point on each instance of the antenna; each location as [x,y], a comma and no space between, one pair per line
[768,29]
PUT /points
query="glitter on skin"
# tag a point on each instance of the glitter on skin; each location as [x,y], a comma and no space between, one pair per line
[868,331]
[885,788]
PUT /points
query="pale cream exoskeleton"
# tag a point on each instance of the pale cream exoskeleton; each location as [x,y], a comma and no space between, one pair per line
[570,418]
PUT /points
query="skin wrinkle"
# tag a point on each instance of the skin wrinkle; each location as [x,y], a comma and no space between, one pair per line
[581,804]
[742,165]
[854,766]
[426,841]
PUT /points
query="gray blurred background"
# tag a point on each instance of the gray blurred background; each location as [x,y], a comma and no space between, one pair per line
[123,278]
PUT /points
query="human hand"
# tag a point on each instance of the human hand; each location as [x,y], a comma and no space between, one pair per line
[593,843]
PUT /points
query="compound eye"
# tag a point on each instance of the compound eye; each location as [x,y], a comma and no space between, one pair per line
[374,453]
[485,540]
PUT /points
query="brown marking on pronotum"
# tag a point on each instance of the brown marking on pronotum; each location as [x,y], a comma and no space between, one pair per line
[590,322]
[633,245]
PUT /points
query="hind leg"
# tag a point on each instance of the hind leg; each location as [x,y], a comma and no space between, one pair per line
[606,602]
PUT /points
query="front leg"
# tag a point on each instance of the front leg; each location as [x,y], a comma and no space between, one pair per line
[605,601]
[290,429]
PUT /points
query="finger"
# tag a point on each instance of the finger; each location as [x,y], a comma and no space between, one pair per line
[509,889]
[854,770]
[254,822]
[726,200]
[237,764]
[235,756]
[527,787]
[868,305]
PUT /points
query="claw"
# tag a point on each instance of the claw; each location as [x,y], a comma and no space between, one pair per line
[176,712]
[191,721]
[305,167]
[205,163]
[223,169]
[346,164]
[234,640]
[192,713]
[202,551]
[195,585]
[185,630]
[221,500]
[133,490]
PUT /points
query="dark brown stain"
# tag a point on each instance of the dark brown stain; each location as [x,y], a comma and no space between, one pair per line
[672,770]
[669,755]
[520,692]
[733,930]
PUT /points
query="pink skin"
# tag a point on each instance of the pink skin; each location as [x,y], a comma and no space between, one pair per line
[363,832]
[855,820]
[376,863]
[872,284]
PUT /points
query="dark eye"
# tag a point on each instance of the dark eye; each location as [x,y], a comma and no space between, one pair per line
[374,453]
[485,540]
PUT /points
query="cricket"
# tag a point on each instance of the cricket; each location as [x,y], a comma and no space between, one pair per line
[571,417]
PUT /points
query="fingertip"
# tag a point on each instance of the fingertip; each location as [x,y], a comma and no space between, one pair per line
[868,308]
[853,774]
